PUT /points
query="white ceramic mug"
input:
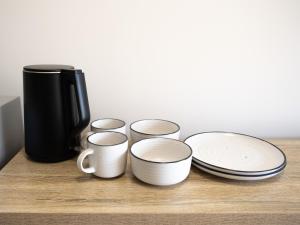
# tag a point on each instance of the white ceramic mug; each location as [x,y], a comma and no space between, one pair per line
[101,125]
[107,154]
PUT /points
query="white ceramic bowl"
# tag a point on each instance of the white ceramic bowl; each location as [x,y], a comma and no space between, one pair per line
[160,161]
[150,128]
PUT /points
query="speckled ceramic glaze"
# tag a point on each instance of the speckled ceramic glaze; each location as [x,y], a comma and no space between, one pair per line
[235,154]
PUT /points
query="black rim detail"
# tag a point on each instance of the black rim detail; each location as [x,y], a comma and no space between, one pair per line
[237,175]
[88,137]
[191,151]
[256,171]
[178,127]
[108,119]
[198,162]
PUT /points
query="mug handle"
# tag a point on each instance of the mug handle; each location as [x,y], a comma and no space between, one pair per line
[83,141]
[80,159]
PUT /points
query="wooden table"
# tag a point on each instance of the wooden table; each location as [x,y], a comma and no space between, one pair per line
[35,193]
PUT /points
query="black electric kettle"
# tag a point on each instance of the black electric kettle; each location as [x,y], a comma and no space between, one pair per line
[56,110]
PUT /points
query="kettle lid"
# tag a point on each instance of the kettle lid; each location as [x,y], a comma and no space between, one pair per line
[47,68]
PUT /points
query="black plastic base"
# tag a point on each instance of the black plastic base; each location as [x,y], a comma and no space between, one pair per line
[53,159]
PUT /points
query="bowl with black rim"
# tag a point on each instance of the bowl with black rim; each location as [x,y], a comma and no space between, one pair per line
[160,161]
[150,128]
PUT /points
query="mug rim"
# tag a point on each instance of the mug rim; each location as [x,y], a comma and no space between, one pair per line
[123,122]
[156,162]
[108,145]
[177,130]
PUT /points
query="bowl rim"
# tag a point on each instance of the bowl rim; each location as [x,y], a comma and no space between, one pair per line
[157,138]
[137,121]
[88,137]
[123,122]
[235,133]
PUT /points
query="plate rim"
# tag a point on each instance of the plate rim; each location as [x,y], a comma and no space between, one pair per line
[237,177]
[241,175]
[226,132]
[196,161]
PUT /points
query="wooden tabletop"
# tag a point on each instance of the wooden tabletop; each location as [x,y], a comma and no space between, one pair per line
[38,193]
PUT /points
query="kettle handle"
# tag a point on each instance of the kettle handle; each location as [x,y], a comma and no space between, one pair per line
[76,78]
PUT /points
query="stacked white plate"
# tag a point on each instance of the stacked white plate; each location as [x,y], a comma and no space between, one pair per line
[236,156]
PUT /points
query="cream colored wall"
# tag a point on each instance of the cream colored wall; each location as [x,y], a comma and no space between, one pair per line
[208,65]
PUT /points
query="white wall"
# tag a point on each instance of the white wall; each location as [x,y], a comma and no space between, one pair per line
[208,65]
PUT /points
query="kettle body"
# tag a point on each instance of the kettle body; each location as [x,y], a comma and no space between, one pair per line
[56,110]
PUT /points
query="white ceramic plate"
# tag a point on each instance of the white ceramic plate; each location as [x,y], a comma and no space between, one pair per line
[237,177]
[235,153]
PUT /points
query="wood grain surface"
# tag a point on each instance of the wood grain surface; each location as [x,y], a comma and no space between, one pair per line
[57,193]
